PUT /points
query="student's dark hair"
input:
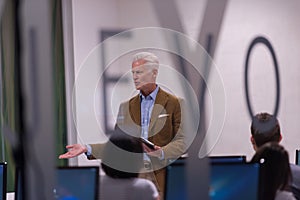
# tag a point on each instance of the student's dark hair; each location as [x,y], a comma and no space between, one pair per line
[275,169]
[265,128]
[122,155]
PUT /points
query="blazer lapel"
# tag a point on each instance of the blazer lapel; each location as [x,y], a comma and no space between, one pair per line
[159,105]
[135,110]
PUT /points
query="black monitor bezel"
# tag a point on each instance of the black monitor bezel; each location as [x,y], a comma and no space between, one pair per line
[226,158]
[18,190]
[297,161]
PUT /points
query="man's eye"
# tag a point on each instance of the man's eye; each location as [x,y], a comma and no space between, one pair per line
[137,72]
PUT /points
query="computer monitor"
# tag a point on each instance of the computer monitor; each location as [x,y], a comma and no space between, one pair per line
[175,183]
[231,180]
[234,181]
[297,156]
[228,159]
[3,174]
[78,183]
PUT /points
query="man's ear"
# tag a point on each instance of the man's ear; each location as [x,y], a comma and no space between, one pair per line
[252,140]
[280,138]
[253,143]
[155,72]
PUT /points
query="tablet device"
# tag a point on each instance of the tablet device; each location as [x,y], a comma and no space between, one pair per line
[148,143]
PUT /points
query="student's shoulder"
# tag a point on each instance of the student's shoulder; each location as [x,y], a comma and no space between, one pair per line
[144,183]
[284,195]
[145,186]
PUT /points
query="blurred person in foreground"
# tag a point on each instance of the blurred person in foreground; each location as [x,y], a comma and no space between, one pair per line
[122,161]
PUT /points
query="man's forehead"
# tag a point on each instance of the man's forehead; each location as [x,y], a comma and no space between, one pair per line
[138,63]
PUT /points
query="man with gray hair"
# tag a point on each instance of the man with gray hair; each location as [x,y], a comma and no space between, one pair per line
[153,115]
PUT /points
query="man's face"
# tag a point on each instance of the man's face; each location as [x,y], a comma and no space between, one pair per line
[142,75]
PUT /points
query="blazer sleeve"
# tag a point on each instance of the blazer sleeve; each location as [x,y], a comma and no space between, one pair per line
[97,151]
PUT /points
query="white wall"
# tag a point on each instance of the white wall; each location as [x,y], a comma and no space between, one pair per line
[88,18]
[276,19]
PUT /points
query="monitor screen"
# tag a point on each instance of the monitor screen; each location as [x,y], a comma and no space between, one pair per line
[232,180]
[3,173]
[175,184]
[77,183]
[298,157]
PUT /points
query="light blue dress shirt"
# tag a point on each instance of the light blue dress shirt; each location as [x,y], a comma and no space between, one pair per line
[147,104]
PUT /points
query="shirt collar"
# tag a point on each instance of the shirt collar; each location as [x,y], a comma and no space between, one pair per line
[152,94]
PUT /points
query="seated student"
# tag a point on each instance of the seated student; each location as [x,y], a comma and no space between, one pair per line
[122,160]
[265,128]
[275,172]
